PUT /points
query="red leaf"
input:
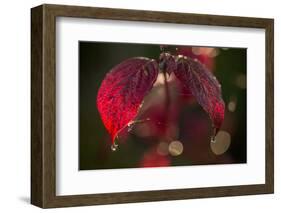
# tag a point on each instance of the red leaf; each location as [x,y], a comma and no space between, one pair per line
[203,86]
[122,92]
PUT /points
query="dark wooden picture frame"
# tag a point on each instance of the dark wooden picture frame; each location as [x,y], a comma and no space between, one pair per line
[43,105]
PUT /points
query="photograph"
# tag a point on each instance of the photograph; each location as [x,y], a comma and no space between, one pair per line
[139,105]
[161,105]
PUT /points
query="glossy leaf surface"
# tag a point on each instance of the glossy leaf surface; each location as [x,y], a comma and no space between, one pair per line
[122,92]
[204,87]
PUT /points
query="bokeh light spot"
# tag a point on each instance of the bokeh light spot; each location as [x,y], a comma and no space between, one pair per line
[163,148]
[241,81]
[231,106]
[223,141]
[175,148]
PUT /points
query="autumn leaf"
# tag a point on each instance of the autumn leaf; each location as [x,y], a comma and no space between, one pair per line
[122,91]
[204,87]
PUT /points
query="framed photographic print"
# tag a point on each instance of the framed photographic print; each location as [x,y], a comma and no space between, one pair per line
[136,106]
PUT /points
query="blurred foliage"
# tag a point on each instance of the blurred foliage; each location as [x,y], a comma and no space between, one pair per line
[192,130]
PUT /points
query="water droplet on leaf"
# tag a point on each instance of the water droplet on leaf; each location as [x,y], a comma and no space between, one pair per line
[114,147]
[117,112]
[213,139]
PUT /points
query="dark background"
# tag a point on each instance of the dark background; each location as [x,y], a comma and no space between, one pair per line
[96,59]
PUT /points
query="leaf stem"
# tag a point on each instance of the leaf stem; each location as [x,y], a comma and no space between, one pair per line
[166,90]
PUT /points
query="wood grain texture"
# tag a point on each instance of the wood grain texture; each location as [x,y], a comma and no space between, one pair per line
[36,106]
[269,118]
[43,105]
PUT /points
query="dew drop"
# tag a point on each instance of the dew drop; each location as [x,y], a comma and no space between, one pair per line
[114,147]
[213,139]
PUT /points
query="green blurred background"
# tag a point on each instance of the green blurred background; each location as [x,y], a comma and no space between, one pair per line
[190,144]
